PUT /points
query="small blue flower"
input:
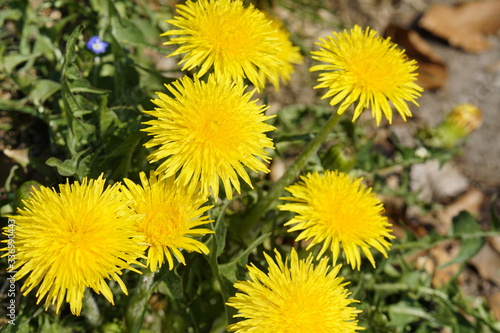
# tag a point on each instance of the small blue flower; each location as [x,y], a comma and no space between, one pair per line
[96,45]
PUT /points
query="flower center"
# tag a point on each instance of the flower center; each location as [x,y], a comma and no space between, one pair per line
[367,73]
[337,209]
[302,308]
[215,127]
[163,225]
[227,35]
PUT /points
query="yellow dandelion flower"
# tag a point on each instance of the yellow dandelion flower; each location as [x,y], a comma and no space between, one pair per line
[171,215]
[209,132]
[235,40]
[298,297]
[287,53]
[367,68]
[74,239]
[334,210]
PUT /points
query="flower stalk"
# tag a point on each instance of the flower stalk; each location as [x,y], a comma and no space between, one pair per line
[138,302]
[269,200]
[91,310]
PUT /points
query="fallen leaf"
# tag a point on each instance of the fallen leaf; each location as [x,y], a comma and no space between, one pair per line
[18,155]
[465,25]
[435,182]
[421,260]
[432,71]
[432,259]
[487,263]
[494,303]
[495,242]
[443,253]
[471,202]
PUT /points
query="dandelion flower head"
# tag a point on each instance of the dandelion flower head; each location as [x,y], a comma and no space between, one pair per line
[172,214]
[334,210]
[209,131]
[365,68]
[237,41]
[294,296]
[73,239]
[287,53]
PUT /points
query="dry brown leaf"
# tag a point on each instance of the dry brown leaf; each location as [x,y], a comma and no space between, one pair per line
[495,243]
[434,182]
[470,202]
[494,303]
[18,155]
[432,71]
[465,25]
[443,253]
[487,263]
[423,261]
[438,255]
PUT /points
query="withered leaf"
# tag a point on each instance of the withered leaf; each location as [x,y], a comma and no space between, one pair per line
[465,25]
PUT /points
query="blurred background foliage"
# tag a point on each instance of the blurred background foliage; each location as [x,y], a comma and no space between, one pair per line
[67,113]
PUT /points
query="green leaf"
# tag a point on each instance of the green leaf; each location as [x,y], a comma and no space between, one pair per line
[127,148]
[68,167]
[70,49]
[45,46]
[72,73]
[83,86]
[220,235]
[11,61]
[84,166]
[174,284]
[127,33]
[107,117]
[43,89]
[218,241]
[18,105]
[402,314]
[9,14]
[464,226]
[65,168]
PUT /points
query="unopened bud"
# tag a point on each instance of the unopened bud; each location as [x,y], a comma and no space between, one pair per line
[339,157]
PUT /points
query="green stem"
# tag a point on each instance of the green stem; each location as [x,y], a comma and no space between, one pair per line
[291,173]
[138,302]
[91,310]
